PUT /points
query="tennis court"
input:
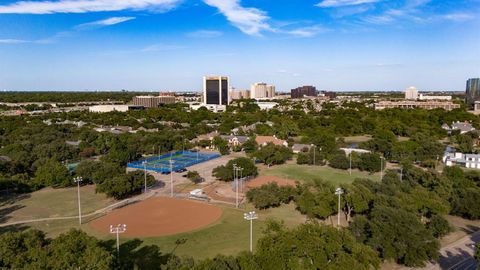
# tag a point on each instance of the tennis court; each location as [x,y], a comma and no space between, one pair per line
[180,160]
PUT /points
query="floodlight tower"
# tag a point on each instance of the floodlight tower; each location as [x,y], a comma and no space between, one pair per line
[118,229]
[144,163]
[78,180]
[171,178]
[250,216]
[338,192]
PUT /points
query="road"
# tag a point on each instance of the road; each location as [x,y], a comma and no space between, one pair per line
[457,256]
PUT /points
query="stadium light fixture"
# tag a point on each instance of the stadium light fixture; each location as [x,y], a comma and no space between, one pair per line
[250,216]
[78,180]
[118,229]
[338,192]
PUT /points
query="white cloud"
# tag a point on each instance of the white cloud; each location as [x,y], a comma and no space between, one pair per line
[251,21]
[342,3]
[83,6]
[106,22]
[13,41]
[205,34]
[305,32]
[458,17]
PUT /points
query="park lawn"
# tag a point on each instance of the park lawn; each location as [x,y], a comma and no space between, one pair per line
[228,236]
[307,173]
[357,139]
[48,203]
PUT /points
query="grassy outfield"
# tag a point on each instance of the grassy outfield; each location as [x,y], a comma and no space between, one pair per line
[307,173]
[48,203]
[229,236]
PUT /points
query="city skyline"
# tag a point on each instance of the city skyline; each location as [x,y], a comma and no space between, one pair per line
[338,45]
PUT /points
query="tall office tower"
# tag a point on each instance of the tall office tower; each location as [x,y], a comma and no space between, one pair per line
[215,90]
[411,93]
[304,91]
[262,90]
[270,91]
[472,93]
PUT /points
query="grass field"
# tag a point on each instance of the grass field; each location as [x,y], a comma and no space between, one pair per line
[48,203]
[307,173]
[228,236]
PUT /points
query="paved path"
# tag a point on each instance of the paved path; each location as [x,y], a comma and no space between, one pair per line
[456,256]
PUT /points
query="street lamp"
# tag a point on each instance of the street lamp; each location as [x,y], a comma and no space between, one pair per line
[338,192]
[145,173]
[171,178]
[250,216]
[77,180]
[118,229]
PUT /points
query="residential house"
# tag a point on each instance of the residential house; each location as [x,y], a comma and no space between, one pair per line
[234,141]
[463,127]
[298,147]
[264,140]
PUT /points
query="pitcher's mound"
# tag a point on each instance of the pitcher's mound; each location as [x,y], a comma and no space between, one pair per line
[160,216]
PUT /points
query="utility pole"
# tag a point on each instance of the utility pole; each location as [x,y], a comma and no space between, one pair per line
[338,192]
[145,173]
[171,178]
[118,229]
[401,174]
[77,180]
[250,216]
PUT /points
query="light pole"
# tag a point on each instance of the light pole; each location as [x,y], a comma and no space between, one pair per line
[118,229]
[250,216]
[314,150]
[145,173]
[350,159]
[171,178]
[381,168]
[338,192]
[235,168]
[77,180]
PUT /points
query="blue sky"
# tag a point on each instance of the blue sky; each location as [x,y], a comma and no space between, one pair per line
[339,45]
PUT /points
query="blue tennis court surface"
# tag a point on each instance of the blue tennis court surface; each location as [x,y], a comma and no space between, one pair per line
[181,160]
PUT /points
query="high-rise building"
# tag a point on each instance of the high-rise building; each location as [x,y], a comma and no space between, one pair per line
[411,93]
[239,94]
[215,90]
[262,90]
[304,91]
[472,92]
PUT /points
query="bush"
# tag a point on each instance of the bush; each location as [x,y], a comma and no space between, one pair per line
[439,226]
[225,173]
[270,195]
[195,177]
[123,186]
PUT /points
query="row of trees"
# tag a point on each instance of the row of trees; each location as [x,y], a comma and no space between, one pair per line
[309,246]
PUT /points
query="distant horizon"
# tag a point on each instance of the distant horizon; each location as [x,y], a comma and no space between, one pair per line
[200,91]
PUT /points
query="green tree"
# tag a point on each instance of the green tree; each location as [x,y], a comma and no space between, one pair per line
[225,172]
[54,174]
[312,246]
[273,154]
[316,199]
[397,234]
